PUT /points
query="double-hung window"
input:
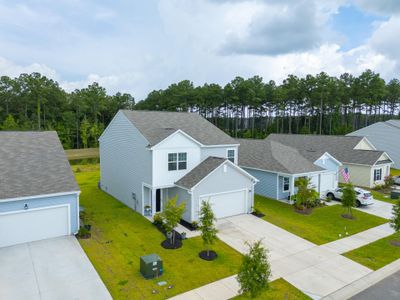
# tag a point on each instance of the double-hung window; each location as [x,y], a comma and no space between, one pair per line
[231,155]
[286,184]
[177,161]
[377,174]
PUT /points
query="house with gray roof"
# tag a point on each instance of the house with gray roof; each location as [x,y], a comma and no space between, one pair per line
[39,197]
[277,166]
[148,157]
[384,136]
[367,166]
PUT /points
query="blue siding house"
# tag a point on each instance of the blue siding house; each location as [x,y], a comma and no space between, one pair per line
[277,166]
[39,197]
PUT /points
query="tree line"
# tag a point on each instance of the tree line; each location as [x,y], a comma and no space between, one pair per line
[35,102]
[253,108]
[319,104]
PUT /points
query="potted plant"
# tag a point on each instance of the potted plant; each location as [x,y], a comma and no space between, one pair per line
[147,210]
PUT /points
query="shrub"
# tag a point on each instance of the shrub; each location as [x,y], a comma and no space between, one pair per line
[195,225]
[171,215]
[389,181]
[306,195]
[158,219]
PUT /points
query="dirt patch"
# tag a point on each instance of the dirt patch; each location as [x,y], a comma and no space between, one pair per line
[395,243]
[258,214]
[212,255]
[347,216]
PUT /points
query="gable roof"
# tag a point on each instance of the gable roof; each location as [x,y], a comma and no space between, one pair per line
[394,123]
[340,147]
[274,156]
[33,164]
[158,125]
[200,172]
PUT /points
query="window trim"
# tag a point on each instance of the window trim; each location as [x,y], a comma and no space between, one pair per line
[283,184]
[177,161]
[234,154]
[380,174]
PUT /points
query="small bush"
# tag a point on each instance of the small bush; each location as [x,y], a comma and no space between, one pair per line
[83,233]
[158,219]
[195,225]
[379,187]
[389,181]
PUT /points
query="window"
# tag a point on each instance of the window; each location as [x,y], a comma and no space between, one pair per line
[177,161]
[377,174]
[231,155]
[286,185]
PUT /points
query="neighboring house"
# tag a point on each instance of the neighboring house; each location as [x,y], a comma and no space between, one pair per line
[147,157]
[367,166]
[385,136]
[277,166]
[39,197]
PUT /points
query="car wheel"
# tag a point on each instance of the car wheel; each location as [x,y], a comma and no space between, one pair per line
[358,203]
[330,196]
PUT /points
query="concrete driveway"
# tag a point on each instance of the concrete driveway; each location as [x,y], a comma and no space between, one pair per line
[379,208]
[49,269]
[315,270]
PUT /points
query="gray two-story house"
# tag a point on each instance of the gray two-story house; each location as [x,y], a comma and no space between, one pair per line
[147,157]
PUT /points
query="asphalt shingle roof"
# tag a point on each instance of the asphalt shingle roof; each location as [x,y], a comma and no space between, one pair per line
[340,147]
[157,125]
[273,156]
[32,164]
[200,172]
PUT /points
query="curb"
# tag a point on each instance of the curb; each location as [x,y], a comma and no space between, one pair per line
[365,282]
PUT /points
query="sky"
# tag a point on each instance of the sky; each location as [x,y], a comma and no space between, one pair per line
[138,46]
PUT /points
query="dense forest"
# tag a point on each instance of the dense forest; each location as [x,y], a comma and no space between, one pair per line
[319,104]
[34,102]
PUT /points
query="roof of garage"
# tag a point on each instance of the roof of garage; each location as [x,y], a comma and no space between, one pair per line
[33,164]
[200,172]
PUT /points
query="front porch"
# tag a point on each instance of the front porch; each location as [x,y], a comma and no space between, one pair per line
[286,185]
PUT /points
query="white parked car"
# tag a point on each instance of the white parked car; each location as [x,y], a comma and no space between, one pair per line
[363,197]
[396,180]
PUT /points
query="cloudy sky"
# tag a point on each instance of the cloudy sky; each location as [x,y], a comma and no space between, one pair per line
[137,46]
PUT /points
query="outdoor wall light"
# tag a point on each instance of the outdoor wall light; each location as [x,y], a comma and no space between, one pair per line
[26,206]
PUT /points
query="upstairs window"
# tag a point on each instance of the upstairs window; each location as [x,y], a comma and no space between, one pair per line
[377,174]
[231,155]
[177,161]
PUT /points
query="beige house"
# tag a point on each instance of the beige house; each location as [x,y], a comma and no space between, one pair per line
[367,166]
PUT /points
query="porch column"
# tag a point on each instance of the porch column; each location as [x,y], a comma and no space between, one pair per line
[153,202]
[292,179]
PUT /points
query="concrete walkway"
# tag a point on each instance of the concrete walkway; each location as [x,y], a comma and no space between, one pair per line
[318,271]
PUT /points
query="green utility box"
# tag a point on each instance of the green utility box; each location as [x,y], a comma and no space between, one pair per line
[151,266]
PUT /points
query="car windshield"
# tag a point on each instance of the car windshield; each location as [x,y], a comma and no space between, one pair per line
[367,194]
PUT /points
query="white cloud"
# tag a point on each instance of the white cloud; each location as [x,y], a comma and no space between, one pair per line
[12,69]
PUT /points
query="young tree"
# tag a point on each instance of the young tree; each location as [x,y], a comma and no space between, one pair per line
[207,227]
[349,198]
[255,271]
[84,130]
[395,221]
[9,123]
[171,215]
[305,194]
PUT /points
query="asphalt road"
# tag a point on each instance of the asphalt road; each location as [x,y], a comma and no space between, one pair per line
[386,289]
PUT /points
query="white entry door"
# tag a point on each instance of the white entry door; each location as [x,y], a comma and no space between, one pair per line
[227,204]
[33,224]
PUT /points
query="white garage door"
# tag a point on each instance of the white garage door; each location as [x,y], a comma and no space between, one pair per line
[33,224]
[328,183]
[227,204]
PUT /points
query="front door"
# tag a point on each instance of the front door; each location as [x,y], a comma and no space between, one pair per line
[158,200]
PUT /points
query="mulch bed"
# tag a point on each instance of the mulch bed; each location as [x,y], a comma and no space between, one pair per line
[188,225]
[395,243]
[347,216]
[167,244]
[84,236]
[258,215]
[304,211]
[203,255]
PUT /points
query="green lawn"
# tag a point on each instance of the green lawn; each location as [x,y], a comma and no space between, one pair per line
[322,226]
[377,254]
[120,236]
[279,289]
[73,154]
[382,197]
[394,172]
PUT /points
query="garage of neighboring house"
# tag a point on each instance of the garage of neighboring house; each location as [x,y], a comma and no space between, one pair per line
[39,197]
[228,188]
